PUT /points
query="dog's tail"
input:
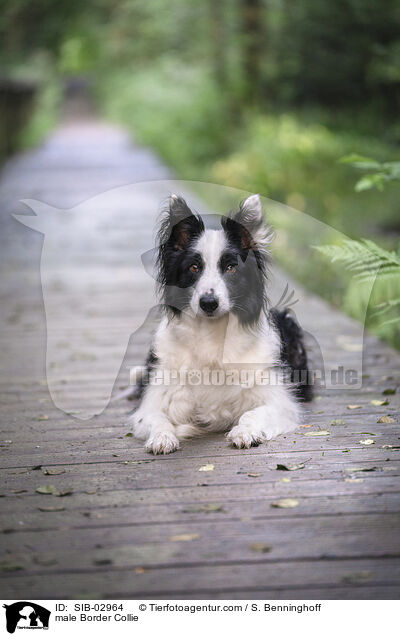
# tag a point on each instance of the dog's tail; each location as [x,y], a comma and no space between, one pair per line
[293,352]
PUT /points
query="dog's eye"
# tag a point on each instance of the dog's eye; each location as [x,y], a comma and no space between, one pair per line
[194,268]
[231,269]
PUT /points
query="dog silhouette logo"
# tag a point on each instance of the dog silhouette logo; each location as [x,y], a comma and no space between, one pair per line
[26,615]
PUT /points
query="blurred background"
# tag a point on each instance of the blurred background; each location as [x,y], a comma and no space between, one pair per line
[264,95]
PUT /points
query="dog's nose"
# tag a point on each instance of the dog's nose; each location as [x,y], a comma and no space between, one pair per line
[208,303]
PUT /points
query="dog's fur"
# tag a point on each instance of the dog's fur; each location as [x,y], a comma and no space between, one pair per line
[213,286]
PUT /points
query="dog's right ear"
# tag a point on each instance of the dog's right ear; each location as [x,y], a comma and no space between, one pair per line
[184,226]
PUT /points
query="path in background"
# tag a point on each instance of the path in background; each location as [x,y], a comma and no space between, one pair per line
[135,525]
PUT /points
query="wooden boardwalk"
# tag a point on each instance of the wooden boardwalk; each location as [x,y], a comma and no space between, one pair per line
[135,526]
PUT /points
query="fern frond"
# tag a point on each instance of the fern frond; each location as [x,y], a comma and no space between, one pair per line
[364,258]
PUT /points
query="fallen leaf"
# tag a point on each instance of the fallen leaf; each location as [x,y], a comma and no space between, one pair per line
[366,442]
[306,425]
[102,561]
[380,402]
[290,466]
[386,419]
[52,490]
[351,407]
[52,471]
[356,469]
[139,570]
[47,490]
[316,433]
[90,492]
[391,447]
[129,435]
[389,392]
[43,418]
[285,480]
[210,507]
[260,547]
[254,474]
[354,480]
[337,422]
[357,577]
[184,537]
[42,560]
[285,503]
[51,508]
[206,468]
[10,566]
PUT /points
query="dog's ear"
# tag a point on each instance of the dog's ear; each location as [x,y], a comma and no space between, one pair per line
[183,224]
[249,226]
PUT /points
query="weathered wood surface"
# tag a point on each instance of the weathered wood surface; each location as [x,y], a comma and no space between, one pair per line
[136,526]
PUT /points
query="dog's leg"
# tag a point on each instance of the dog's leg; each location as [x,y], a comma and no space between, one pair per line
[152,424]
[265,422]
[156,429]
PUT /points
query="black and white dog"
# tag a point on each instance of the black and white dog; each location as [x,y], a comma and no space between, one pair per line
[213,287]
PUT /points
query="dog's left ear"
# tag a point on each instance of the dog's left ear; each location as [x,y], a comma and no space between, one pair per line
[251,226]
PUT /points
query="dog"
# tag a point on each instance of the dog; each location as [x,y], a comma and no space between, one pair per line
[216,320]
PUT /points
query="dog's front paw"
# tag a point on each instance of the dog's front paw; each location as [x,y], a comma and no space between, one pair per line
[243,437]
[162,443]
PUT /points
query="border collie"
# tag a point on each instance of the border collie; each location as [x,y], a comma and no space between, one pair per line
[212,283]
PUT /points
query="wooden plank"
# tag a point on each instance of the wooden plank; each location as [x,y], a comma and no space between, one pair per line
[90,512]
[274,580]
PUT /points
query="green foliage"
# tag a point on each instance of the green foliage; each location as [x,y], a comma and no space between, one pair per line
[293,157]
[176,109]
[370,262]
[380,173]
[364,258]
[45,115]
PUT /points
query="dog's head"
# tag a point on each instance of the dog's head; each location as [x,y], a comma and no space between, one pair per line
[210,272]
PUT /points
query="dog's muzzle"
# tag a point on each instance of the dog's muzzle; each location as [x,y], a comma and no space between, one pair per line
[208,303]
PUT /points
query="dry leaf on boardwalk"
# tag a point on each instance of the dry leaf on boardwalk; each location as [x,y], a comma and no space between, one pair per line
[357,577]
[290,466]
[52,490]
[184,537]
[206,468]
[51,508]
[285,503]
[366,442]
[316,433]
[386,419]
[209,507]
[52,471]
[260,547]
